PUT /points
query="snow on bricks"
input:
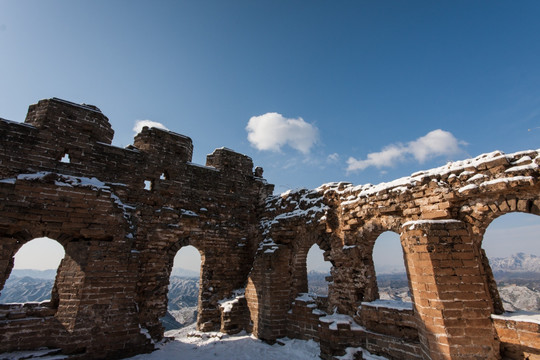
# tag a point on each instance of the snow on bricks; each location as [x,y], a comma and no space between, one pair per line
[441,216]
[122,214]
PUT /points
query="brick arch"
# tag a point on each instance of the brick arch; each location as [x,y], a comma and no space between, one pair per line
[400,242]
[217,204]
[355,268]
[203,293]
[481,213]
[155,266]
[54,300]
[46,217]
[299,250]
[96,245]
[172,250]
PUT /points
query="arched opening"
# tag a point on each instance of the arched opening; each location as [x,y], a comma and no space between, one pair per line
[390,268]
[183,292]
[33,275]
[512,245]
[318,271]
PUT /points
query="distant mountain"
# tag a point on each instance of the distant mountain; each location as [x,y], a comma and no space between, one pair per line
[169,322]
[519,262]
[183,292]
[26,289]
[517,298]
[317,283]
[183,301]
[185,273]
[35,274]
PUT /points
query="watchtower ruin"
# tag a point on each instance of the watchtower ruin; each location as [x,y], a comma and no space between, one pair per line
[121,215]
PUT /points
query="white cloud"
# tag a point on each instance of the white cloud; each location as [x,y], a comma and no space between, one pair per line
[387,157]
[435,143]
[272,131]
[332,158]
[139,124]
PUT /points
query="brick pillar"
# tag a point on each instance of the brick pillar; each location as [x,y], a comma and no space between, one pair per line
[451,300]
[268,293]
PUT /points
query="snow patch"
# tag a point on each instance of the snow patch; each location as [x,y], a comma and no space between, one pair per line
[339,319]
[507,180]
[390,304]
[188,213]
[522,316]
[202,166]
[146,333]
[366,355]
[227,304]
[464,168]
[305,297]
[477,177]
[412,224]
[467,188]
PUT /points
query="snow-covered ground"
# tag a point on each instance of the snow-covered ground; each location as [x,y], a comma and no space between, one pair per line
[194,345]
[187,343]
[191,344]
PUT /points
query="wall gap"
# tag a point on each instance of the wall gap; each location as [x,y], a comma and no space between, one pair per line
[29,282]
[390,268]
[318,271]
[183,291]
[148,185]
[65,159]
[511,243]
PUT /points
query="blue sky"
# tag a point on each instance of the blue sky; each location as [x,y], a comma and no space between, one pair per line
[358,91]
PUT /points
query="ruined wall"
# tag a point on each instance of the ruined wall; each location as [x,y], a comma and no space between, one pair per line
[122,214]
[441,216]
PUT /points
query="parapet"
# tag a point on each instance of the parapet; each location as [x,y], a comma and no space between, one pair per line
[163,142]
[68,119]
[227,160]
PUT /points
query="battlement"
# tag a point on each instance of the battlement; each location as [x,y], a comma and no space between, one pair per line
[122,214]
[75,139]
[160,142]
[228,160]
[70,121]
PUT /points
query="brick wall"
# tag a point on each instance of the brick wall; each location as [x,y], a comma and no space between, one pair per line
[122,214]
[519,339]
[441,216]
[120,239]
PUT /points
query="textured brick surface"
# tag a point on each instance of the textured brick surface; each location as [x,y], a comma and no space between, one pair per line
[441,216]
[120,239]
[122,214]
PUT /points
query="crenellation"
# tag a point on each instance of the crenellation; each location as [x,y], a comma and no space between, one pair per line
[122,214]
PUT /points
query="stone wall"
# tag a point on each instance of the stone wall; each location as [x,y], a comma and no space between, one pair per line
[122,215]
[519,339]
[441,216]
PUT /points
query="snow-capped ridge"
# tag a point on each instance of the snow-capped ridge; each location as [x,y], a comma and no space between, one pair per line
[519,262]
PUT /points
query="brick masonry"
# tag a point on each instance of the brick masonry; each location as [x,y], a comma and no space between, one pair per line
[122,214]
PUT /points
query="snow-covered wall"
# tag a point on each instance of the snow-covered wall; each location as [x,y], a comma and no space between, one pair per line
[122,214]
[440,214]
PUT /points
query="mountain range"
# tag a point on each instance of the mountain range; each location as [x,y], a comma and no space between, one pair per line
[519,262]
[518,278]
